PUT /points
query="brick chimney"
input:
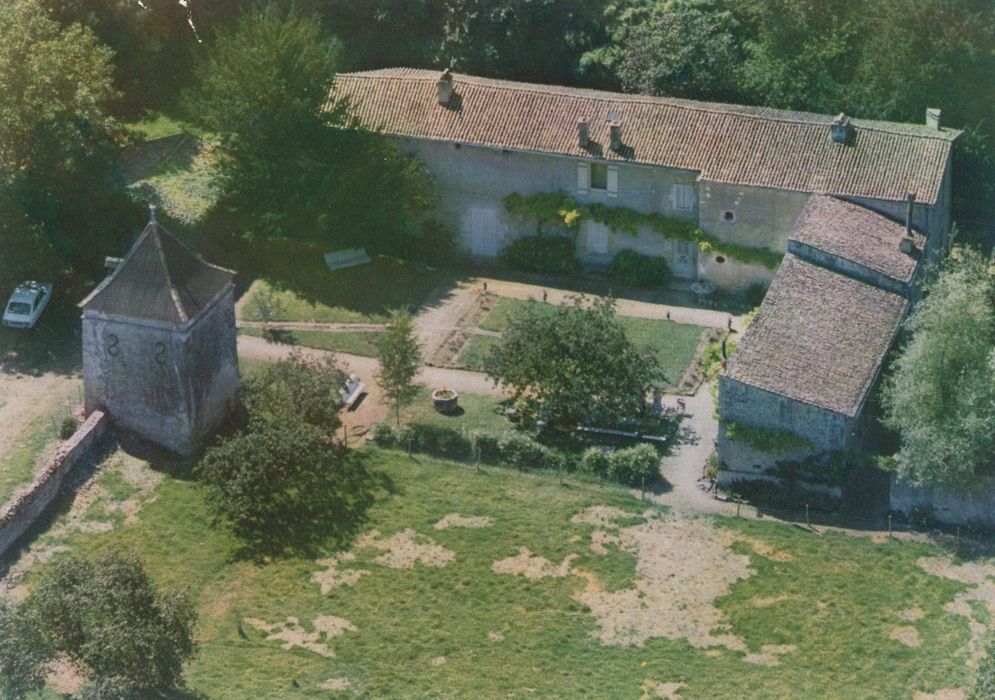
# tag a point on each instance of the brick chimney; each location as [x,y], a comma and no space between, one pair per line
[583,133]
[907,245]
[933,118]
[841,129]
[615,129]
[445,87]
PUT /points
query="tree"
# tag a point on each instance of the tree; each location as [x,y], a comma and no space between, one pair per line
[23,653]
[400,360]
[571,364]
[685,48]
[285,487]
[294,164]
[294,390]
[940,395]
[107,615]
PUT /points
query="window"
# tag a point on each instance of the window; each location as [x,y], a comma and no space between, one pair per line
[683,197]
[729,216]
[599,176]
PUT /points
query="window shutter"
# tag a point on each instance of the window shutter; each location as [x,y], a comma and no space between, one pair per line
[613,181]
[583,178]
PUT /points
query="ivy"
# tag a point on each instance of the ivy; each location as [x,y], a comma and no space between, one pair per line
[773,442]
[560,208]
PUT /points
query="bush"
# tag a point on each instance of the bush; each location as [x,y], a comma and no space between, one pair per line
[595,461]
[383,435]
[635,465]
[637,270]
[547,255]
[525,453]
[68,428]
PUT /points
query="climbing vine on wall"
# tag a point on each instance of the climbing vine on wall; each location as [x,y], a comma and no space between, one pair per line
[560,208]
[774,442]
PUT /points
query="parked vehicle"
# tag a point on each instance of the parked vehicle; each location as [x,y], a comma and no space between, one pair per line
[26,305]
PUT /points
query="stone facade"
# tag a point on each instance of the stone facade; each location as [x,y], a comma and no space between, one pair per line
[159,344]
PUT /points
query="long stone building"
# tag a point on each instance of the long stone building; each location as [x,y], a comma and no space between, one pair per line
[742,174]
[159,343]
[856,207]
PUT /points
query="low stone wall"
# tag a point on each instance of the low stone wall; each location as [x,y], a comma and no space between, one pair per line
[20,513]
[976,507]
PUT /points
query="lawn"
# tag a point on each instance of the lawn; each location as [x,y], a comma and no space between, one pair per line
[17,465]
[181,177]
[723,608]
[673,344]
[476,412]
[363,294]
[352,342]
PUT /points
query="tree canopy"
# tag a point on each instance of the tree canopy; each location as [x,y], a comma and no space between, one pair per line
[940,395]
[571,364]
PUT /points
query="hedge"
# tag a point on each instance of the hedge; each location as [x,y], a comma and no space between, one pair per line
[547,255]
[637,270]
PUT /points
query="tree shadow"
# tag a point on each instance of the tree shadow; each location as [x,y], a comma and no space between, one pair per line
[54,345]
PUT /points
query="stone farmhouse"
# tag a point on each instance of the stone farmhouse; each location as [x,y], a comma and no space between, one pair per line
[159,343]
[742,174]
[856,207]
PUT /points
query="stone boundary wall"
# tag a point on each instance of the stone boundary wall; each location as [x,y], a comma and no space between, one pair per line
[973,507]
[21,512]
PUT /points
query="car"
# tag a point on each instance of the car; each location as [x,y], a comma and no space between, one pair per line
[26,305]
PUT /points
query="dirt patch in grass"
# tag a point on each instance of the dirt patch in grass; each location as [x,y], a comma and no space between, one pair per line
[63,676]
[682,567]
[772,600]
[981,589]
[404,549]
[439,661]
[943,694]
[605,517]
[293,634]
[769,654]
[655,689]
[457,520]
[758,546]
[495,637]
[912,614]
[333,577]
[336,684]
[907,635]
[527,564]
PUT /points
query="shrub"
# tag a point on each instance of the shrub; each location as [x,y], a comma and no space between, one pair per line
[594,461]
[383,435]
[525,453]
[635,465]
[68,427]
[637,270]
[547,255]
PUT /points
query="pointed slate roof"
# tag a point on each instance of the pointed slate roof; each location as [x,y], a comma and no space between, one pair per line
[161,280]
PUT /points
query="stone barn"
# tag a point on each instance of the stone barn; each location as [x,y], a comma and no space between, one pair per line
[159,343]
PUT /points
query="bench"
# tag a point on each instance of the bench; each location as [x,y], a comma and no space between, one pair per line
[352,391]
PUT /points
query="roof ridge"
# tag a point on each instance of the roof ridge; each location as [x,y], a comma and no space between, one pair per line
[675,102]
[173,293]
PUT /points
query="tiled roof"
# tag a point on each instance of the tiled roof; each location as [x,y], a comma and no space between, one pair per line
[726,143]
[819,337]
[858,234]
[161,280]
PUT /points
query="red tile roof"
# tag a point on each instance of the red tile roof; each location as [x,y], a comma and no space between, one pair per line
[160,280]
[858,234]
[754,146]
[819,337]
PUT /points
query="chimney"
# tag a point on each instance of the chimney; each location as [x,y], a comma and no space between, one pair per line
[933,118]
[841,129]
[445,87]
[910,200]
[615,129]
[152,219]
[583,135]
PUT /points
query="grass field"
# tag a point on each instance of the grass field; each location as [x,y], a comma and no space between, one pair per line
[355,343]
[363,294]
[477,412]
[605,603]
[673,344]
[17,465]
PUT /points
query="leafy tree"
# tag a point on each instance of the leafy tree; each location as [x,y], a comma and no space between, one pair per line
[294,390]
[532,40]
[106,614]
[940,396]
[23,653]
[293,164]
[400,360]
[685,48]
[571,364]
[285,487]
